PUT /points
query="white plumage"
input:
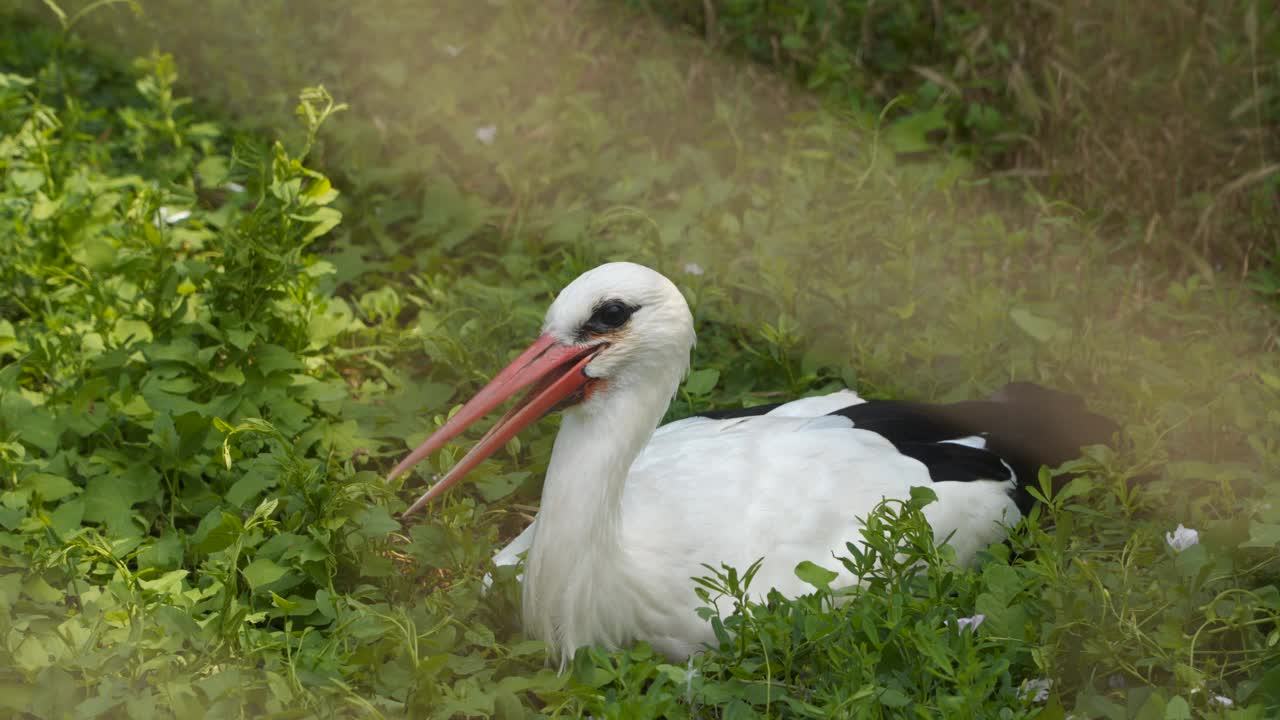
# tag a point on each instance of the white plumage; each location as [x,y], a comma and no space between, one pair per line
[811,407]
[629,514]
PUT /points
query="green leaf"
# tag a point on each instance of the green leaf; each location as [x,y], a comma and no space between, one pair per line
[230,375]
[375,522]
[893,697]
[130,331]
[68,517]
[1193,561]
[273,358]
[8,339]
[1152,708]
[262,572]
[1095,705]
[164,436]
[320,191]
[169,583]
[40,427]
[44,208]
[911,134]
[96,253]
[496,487]
[241,338]
[110,499]
[176,622]
[1263,535]
[31,655]
[265,509]
[111,509]
[1041,328]
[739,710]
[217,531]
[701,382]
[922,496]
[181,350]
[212,170]
[26,181]
[1177,709]
[324,391]
[249,487]
[288,606]
[815,575]
[41,591]
[50,487]
[324,219]
[164,553]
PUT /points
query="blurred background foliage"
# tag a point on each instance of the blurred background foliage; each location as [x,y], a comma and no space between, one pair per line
[1156,112]
[222,319]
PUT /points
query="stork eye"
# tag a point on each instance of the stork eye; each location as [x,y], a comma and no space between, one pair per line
[609,315]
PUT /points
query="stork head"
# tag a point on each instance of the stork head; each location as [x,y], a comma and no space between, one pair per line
[633,317]
[618,326]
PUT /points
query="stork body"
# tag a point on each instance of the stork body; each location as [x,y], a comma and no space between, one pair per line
[631,512]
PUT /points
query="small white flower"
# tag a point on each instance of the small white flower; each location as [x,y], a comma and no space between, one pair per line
[171,216]
[1037,689]
[1182,538]
[693,268]
[1222,701]
[234,187]
[453,50]
[970,622]
[487,134]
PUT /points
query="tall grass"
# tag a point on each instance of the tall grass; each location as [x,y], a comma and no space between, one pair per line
[1162,114]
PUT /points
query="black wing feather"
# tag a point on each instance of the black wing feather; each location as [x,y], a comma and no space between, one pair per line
[1024,426]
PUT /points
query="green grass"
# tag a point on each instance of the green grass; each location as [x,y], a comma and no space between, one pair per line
[196,414]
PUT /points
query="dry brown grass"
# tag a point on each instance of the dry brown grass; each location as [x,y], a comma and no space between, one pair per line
[1158,117]
[1155,113]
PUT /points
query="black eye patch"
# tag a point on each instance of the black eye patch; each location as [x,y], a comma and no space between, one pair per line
[608,316]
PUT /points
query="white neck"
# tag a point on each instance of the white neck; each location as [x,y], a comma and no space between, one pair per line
[577,570]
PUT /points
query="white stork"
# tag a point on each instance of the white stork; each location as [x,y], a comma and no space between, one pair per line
[631,512]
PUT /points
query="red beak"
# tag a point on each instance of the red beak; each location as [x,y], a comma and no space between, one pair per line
[558,370]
